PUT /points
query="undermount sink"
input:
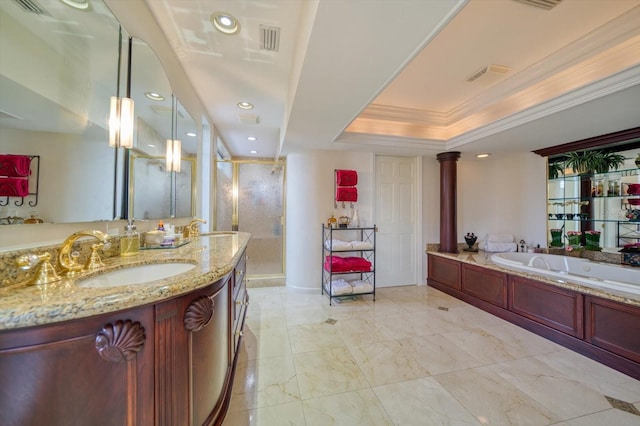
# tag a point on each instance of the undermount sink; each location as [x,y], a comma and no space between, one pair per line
[220,234]
[135,275]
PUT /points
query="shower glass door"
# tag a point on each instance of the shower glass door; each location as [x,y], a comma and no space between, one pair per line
[250,198]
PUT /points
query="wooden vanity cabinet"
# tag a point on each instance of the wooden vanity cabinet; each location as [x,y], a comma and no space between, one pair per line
[96,371]
[170,363]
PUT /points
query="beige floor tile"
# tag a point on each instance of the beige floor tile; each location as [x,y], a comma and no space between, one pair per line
[305,315]
[386,362]
[422,402]
[563,396]
[610,417]
[403,325]
[416,356]
[258,319]
[286,414]
[356,408]
[598,377]
[484,346]
[314,337]
[437,354]
[493,400]
[263,383]
[523,343]
[266,343]
[328,372]
[361,331]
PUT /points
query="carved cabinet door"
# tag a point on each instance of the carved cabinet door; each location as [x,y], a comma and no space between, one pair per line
[96,371]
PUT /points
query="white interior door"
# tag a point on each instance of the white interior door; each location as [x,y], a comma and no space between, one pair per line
[396,181]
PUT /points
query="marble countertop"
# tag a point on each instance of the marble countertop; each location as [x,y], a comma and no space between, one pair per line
[482,258]
[214,255]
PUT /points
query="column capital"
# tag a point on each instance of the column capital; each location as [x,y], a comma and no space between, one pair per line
[448,156]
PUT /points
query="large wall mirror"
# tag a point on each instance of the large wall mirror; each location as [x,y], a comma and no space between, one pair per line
[594,194]
[154,191]
[58,70]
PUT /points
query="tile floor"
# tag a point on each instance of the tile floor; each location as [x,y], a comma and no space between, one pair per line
[415,356]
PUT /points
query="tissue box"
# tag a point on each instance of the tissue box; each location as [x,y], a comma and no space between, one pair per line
[631,258]
[631,254]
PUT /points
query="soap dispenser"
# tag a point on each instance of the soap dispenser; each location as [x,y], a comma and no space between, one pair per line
[130,240]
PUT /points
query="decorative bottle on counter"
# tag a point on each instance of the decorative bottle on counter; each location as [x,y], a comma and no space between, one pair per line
[130,240]
[355,219]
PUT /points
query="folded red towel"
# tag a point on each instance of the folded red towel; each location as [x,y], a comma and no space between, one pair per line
[15,165]
[348,193]
[14,187]
[346,177]
[346,264]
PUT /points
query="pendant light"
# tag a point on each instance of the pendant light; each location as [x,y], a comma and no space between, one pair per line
[121,115]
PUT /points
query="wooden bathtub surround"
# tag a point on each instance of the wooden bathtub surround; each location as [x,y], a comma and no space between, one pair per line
[167,362]
[448,197]
[587,321]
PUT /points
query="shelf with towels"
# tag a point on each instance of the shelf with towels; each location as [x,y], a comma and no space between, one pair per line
[354,258]
[19,178]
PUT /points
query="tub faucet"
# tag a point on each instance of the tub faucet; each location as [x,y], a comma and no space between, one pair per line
[66,259]
[192,230]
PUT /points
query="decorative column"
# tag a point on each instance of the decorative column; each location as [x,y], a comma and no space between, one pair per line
[448,194]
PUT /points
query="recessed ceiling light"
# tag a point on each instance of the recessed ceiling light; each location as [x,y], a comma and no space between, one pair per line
[78,4]
[193,135]
[253,151]
[252,138]
[245,105]
[225,23]
[483,155]
[154,96]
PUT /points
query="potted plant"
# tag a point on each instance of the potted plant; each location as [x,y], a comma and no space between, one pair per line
[610,160]
[585,161]
[556,169]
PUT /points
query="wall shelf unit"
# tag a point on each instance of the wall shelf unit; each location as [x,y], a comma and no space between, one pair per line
[595,201]
[348,262]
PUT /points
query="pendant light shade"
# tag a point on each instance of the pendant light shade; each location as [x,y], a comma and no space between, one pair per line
[174,155]
[121,119]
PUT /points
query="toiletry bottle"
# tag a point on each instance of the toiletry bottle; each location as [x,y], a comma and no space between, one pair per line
[130,240]
[161,226]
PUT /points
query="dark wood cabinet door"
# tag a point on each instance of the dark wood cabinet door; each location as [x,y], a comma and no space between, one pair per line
[97,371]
[613,326]
[444,271]
[485,284]
[209,351]
[553,306]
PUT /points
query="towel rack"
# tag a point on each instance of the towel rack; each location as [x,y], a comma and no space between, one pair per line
[34,177]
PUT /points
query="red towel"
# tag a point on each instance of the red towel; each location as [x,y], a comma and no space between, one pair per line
[14,187]
[346,264]
[349,193]
[346,177]
[15,165]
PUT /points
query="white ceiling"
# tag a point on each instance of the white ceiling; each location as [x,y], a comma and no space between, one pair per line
[390,76]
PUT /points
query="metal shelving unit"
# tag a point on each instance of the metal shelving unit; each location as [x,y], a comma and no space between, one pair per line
[365,235]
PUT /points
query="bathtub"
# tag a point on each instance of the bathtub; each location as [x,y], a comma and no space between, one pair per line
[572,269]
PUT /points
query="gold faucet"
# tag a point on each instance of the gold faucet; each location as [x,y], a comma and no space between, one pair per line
[192,230]
[45,274]
[68,264]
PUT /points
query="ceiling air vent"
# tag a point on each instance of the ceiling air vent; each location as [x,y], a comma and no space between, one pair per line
[490,72]
[31,6]
[543,4]
[269,38]
[248,119]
